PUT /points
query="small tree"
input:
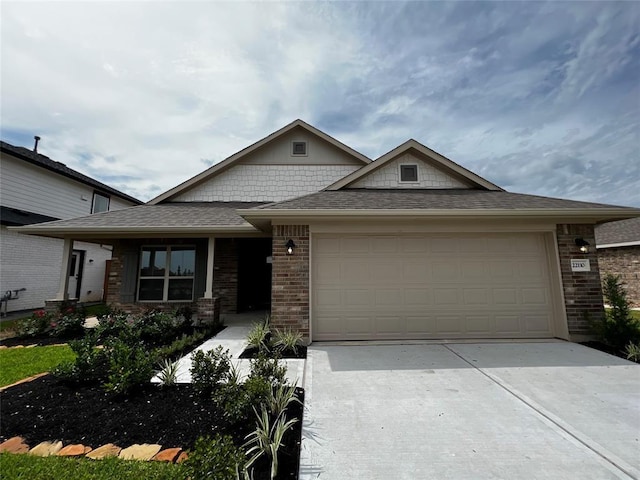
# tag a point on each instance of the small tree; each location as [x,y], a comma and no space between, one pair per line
[618,328]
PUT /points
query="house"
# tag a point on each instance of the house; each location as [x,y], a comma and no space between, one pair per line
[339,247]
[36,189]
[618,245]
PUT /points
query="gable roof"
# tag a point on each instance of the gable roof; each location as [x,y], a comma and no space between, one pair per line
[624,233]
[228,162]
[430,156]
[45,162]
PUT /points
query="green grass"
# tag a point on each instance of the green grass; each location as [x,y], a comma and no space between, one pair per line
[28,467]
[635,314]
[95,310]
[10,324]
[19,363]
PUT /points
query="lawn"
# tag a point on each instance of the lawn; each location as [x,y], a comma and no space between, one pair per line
[635,314]
[28,467]
[19,363]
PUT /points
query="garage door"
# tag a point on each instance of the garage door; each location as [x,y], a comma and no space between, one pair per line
[431,286]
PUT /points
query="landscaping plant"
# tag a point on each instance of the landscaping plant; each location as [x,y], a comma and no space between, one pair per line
[286,340]
[208,369]
[168,373]
[269,369]
[258,336]
[618,328]
[633,352]
[214,458]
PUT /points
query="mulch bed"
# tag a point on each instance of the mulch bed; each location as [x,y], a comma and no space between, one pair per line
[46,409]
[253,353]
[603,347]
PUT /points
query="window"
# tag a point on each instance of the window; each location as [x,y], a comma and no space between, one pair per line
[408,173]
[299,148]
[100,203]
[166,274]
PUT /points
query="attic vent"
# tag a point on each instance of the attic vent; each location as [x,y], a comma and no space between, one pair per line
[299,148]
[408,173]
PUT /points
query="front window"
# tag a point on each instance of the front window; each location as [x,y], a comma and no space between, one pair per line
[100,203]
[166,274]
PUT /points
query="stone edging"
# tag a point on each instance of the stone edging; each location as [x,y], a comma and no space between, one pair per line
[142,452]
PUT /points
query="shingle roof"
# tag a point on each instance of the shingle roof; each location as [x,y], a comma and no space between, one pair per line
[188,216]
[60,168]
[462,199]
[623,231]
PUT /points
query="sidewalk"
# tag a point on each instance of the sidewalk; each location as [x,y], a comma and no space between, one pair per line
[234,339]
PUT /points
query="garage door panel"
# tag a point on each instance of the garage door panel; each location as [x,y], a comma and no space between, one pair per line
[430,286]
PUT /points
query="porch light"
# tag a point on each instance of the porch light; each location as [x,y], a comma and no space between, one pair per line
[583,245]
[290,246]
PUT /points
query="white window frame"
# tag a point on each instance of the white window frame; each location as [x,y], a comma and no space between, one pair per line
[306,148]
[93,202]
[417,180]
[167,277]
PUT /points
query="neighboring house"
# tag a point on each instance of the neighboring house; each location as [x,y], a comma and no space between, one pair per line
[36,189]
[338,247]
[618,246]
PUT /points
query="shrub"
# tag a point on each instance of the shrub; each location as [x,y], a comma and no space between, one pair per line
[633,352]
[112,324]
[90,365]
[618,328]
[208,369]
[168,373]
[214,458]
[280,398]
[234,400]
[37,324]
[258,390]
[68,325]
[270,369]
[286,340]
[129,367]
[258,336]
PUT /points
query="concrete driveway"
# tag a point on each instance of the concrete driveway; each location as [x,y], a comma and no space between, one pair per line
[548,410]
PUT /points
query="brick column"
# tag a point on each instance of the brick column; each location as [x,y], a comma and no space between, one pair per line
[290,279]
[582,290]
[209,311]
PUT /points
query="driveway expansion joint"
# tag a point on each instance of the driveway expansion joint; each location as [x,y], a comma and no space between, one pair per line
[582,439]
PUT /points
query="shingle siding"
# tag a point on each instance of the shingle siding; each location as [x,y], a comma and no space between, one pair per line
[265,183]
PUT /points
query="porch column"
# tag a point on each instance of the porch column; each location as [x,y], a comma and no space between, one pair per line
[208,292]
[67,250]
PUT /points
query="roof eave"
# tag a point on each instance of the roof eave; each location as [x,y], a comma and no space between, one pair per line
[619,244]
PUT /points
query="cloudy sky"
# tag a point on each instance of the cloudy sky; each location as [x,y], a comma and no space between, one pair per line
[540,98]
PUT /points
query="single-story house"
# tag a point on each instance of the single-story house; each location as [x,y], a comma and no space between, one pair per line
[340,247]
[618,245]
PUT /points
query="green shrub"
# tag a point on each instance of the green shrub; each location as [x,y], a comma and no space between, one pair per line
[168,374]
[234,400]
[214,458]
[618,328]
[129,367]
[68,326]
[633,352]
[270,369]
[258,336]
[208,369]
[90,365]
[112,324]
[37,324]
[286,340]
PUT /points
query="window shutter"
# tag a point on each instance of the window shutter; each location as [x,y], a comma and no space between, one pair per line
[129,277]
[200,279]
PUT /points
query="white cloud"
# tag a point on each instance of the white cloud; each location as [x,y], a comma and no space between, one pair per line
[149,94]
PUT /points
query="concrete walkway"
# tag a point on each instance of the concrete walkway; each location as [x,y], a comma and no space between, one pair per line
[552,410]
[234,339]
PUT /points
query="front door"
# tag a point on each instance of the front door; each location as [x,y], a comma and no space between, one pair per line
[254,274]
[75,274]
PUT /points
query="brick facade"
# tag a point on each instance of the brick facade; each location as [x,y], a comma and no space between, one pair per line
[225,276]
[582,290]
[290,279]
[625,262]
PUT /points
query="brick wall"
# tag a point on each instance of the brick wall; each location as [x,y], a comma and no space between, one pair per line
[582,290]
[290,280]
[225,277]
[625,262]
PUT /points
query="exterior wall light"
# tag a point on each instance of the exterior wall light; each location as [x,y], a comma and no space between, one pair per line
[583,245]
[290,246]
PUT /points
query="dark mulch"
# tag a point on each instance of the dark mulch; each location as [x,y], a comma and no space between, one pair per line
[603,347]
[46,409]
[253,353]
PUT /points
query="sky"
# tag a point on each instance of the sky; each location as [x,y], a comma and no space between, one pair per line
[539,98]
